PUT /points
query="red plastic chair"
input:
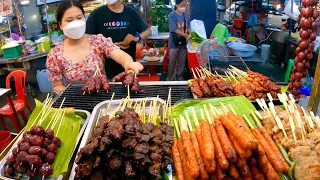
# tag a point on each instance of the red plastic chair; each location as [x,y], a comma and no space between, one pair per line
[20,103]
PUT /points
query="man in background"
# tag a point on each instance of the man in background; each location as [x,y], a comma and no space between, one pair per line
[138,6]
[15,26]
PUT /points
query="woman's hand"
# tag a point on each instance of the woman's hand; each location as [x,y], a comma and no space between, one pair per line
[134,66]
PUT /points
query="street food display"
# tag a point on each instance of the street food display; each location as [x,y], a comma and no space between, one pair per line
[304,51]
[129,79]
[96,84]
[299,135]
[252,85]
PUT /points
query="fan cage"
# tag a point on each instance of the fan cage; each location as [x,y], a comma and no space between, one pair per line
[221,64]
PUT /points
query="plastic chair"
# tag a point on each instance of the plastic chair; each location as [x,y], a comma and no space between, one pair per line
[235,31]
[20,103]
[248,36]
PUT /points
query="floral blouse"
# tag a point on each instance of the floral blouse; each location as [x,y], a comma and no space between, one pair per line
[60,67]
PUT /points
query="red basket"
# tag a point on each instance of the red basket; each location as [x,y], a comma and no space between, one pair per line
[192,61]
[5,139]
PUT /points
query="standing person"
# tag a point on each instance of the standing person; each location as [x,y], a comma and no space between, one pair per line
[123,24]
[138,6]
[77,58]
[15,26]
[179,33]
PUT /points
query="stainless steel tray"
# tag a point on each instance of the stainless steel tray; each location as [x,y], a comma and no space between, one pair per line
[84,114]
[95,116]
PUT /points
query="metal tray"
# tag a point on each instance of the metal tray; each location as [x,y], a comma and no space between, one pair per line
[95,116]
[84,114]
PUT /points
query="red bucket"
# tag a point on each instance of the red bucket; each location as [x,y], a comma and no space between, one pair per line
[5,139]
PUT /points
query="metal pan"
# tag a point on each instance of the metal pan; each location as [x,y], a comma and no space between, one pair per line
[84,114]
[95,116]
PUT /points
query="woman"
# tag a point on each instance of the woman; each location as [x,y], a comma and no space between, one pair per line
[79,56]
[179,34]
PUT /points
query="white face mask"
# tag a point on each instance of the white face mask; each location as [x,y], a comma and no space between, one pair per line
[111,1]
[75,29]
[182,9]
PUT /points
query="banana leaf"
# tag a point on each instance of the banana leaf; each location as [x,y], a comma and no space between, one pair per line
[240,104]
[69,130]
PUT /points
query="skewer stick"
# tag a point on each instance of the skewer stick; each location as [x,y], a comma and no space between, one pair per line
[215,109]
[98,118]
[318,122]
[280,125]
[56,119]
[150,111]
[202,115]
[195,118]
[169,102]
[248,122]
[292,100]
[258,114]
[182,125]
[265,106]
[261,105]
[61,121]
[227,76]
[201,72]
[308,119]
[270,97]
[224,108]
[194,74]
[189,122]
[128,88]
[300,125]
[176,127]
[199,75]
[207,114]
[293,129]
[42,177]
[109,104]
[212,111]
[218,74]
[256,119]
[56,113]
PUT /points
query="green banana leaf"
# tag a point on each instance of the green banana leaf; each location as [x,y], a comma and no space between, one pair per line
[69,130]
[240,104]
[196,38]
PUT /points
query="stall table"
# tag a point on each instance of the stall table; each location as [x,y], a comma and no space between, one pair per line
[155,66]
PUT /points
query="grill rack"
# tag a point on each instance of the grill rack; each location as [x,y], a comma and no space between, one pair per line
[75,98]
[222,63]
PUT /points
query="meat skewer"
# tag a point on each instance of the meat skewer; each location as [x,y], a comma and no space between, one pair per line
[192,164]
[207,138]
[177,160]
[196,147]
[210,165]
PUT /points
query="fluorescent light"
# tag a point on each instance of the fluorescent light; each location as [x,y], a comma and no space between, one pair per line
[24,2]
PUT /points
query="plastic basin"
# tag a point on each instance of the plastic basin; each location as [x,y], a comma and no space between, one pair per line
[5,139]
[241,49]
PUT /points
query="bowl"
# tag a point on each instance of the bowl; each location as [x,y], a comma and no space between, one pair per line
[5,139]
[241,49]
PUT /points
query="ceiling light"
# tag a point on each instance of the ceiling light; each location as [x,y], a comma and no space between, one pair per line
[24,2]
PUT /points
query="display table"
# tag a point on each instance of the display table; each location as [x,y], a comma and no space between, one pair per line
[155,66]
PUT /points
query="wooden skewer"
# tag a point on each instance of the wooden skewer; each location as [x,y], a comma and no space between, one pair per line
[201,72]
[98,118]
[176,127]
[109,104]
[218,74]
[150,111]
[224,108]
[188,121]
[308,119]
[227,76]
[293,129]
[197,71]
[56,119]
[128,89]
[61,121]
[270,97]
[292,100]
[300,125]
[169,102]
[215,109]
[182,125]
[247,120]
[256,119]
[194,74]
[318,122]
[235,79]
[212,111]
[233,111]
[207,114]
[258,114]
[195,118]
[261,105]
[280,125]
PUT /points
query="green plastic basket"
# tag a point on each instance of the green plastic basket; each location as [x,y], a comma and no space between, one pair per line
[12,53]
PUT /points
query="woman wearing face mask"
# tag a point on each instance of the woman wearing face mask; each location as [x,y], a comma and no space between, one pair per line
[179,33]
[79,55]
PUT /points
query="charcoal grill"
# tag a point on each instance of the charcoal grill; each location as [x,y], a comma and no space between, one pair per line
[75,98]
[222,63]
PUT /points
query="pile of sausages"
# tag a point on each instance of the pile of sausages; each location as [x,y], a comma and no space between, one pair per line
[225,148]
[35,153]
[96,84]
[129,79]
[304,51]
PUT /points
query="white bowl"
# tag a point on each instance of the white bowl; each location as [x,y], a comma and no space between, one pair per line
[241,49]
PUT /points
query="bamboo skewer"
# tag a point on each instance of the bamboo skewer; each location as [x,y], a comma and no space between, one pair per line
[98,118]
[195,118]
[61,121]
[256,119]
[308,119]
[210,120]
[248,122]
[293,129]
[109,104]
[194,74]
[177,128]
[300,125]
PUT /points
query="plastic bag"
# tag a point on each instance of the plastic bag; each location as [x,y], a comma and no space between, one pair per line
[295,10]
[198,27]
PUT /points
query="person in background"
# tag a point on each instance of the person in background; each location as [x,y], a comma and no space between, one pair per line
[78,57]
[138,6]
[179,33]
[123,24]
[15,26]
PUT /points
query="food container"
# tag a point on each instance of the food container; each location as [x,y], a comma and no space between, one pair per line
[84,114]
[95,116]
[241,49]
[12,52]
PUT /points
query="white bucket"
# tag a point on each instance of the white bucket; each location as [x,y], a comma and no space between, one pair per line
[265,51]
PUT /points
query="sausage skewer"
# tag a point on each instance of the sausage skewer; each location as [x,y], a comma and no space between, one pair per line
[207,138]
[176,156]
[210,165]
[190,154]
[196,147]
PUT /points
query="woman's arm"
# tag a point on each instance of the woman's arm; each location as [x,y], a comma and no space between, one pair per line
[126,61]
[58,86]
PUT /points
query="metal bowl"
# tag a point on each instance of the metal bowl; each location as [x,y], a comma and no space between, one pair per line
[241,49]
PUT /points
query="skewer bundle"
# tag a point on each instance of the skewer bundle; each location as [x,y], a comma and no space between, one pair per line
[222,146]
[96,83]
[129,79]
[252,85]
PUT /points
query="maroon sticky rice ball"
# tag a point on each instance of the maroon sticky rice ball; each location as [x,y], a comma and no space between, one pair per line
[34,161]
[11,160]
[46,142]
[56,141]
[36,140]
[44,152]
[35,150]
[46,169]
[49,133]
[50,158]
[9,171]
[37,130]
[15,151]
[24,146]
[27,136]
[53,148]
[32,173]
[21,159]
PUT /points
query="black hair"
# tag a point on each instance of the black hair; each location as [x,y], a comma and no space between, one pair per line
[66,4]
[178,2]
[14,18]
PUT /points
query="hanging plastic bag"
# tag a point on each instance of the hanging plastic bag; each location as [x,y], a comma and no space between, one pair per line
[295,10]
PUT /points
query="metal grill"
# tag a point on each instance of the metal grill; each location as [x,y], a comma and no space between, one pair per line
[222,63]
[75,98]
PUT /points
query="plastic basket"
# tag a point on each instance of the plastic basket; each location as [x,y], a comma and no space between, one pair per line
[13,52]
